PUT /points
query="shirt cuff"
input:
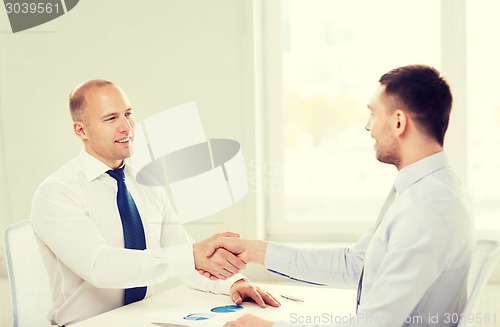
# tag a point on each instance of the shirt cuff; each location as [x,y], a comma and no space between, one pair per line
[230,281]
[278,257]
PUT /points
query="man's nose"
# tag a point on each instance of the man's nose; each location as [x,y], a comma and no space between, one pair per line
[125,125]
[367,126]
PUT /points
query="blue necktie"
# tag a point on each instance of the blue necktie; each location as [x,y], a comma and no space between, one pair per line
[133,231]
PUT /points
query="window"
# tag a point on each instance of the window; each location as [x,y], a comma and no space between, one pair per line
[483,114]
[322,173]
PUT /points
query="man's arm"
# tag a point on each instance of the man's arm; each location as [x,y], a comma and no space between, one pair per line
[331,266]
[61,222]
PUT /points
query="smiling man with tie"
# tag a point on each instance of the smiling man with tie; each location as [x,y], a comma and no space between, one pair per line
[105,238]
[413,263]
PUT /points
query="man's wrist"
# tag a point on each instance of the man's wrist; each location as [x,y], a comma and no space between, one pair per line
[257,251]
[241,280]
[196,249]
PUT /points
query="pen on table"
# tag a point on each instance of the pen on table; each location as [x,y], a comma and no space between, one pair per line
[292,298]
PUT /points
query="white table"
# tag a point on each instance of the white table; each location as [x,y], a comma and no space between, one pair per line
[326,305]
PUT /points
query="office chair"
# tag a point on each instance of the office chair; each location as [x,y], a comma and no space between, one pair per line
[485,258]
[28,279]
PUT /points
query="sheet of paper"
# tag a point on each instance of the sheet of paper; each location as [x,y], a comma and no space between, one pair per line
[202,314]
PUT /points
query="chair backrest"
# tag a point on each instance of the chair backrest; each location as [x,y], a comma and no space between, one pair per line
[28,278]
[484,260]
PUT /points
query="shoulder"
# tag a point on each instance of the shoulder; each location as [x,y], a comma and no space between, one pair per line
[441,193]
[67,177]
[436,209]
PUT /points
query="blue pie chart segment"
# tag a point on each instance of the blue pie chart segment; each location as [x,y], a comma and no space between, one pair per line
[227,308]
[199,316]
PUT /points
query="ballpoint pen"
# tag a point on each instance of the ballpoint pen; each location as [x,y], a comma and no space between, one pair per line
[292,298]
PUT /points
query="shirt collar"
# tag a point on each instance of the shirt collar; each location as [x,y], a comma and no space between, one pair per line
[93,168]
[418,170]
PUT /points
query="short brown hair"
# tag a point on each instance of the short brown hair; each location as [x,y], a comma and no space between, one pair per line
[426,95]
[77,97]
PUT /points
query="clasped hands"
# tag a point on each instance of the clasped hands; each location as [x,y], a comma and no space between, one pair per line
[225,254]
[217,264]
[222,255]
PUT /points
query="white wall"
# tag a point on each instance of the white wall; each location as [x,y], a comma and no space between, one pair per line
[161,52]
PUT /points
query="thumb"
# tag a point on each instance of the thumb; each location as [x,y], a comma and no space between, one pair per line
[227,234]
[236,297]
[212,247]
[224,234]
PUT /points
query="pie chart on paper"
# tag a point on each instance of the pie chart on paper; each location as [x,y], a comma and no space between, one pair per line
[227,308]
[199,316]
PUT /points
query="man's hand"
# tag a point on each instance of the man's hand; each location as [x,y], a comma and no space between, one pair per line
[238,248]
[220,264]
[246,250]
[242,289]
[249,321]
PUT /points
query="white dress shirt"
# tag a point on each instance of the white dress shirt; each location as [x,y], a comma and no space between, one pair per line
[415,263]
[75,216]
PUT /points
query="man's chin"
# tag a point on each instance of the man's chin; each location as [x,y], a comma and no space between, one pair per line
[390,160]
[127,154]
[383,159]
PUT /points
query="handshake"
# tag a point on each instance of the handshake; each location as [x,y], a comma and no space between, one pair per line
[225,254]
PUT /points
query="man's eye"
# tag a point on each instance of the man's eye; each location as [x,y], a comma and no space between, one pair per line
[128,114]
[110,119]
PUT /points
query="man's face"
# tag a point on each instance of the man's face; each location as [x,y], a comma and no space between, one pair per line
[108,125]
[379,125]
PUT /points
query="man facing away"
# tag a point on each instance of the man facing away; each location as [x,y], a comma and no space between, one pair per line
[105,239]
[413,263]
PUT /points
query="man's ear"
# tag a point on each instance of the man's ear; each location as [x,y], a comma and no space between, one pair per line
[400,122]
[80,130]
